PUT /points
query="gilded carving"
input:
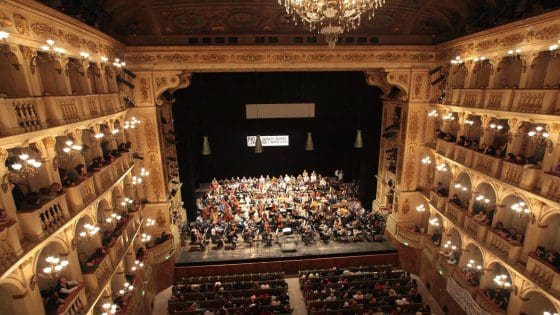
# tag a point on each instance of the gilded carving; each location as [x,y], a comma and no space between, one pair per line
[547,33]
[21,24]
[406,206]
[45,31]
[49,142]
[417,84]
[144,90]
[5,20]
[73,40]
[150,133]
[160,81]
[413,127]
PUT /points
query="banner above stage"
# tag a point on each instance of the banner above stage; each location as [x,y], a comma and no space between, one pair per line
[270,141]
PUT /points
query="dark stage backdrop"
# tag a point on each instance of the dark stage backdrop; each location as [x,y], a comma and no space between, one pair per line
[214,105]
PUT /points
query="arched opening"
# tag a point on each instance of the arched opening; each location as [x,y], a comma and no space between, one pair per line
[452,246]
[510,69]
[497,142]
[52,75]
[443,179]
[548,248]
[483,70]
[12,79]
[458,76]
[472,132]
[88,239]
[484,204]
[496,285]
[536,303]
[460,194]
[511,219]
[71,163]
[532,145]
[78,78]
[435,228]
[472,264]
[544,72]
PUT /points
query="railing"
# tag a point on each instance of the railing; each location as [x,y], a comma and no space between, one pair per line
[543,273]
[408,237]
[81,194]
[462,281]
[520,176]
[74,303]
[487,164]
[96,274]
[455,213]
[104,178]
[504,248]
[472,98]
[437,200]
[10,245]
[456,96]
[463,155]
[486,303]
[445,147]
[38,223]
[161,252]
[475,229]
[551,186]
[535,101]
[20,115]
[132,303]
[498,99]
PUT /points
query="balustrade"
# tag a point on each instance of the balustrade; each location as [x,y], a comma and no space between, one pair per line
[551,186]
[486,303]
[20,115]
[462,281]
[74,303]
[456,95]
[105,177]
[463,155]
[520,176]
[475,229]
[543,273]
[408,237]
[455,213]
[498,99]
[487,164]
[535,101]
[95,275]
[161,252]
[510,250]
[81,194]
[37,223]
[445,147]
[472,98]
[10,246]
[437,200]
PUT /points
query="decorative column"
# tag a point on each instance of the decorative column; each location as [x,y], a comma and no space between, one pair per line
[29,68]
[515,141]
[527,60]
[487,136]
[494,79]
[48,172]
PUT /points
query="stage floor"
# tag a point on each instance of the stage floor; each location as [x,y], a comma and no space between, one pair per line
[243,253]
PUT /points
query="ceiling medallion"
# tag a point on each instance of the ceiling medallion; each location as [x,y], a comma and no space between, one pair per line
[331,17]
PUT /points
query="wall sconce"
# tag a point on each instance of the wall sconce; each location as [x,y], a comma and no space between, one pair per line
[524,212]
[137,180]
[433,113]
[109,308]
[98,135]
[421,208]
[115,131]
[554,50]
[127,201]
[113,216]
[4,38]
[90,230]
[540,136]
[457,61]
[71,147]
[472,265]
[22,166]
[137,265]
[477,59]
[150,222]
[434,222]
[448,117]
[118,63]
[131,123]
[145,238]
[514,53]
[144,172]
[503,282]
[450,245]
[482,198]
[54,267]
[549,313]
[460,187]
[469,122]
[442,168]
[426,160]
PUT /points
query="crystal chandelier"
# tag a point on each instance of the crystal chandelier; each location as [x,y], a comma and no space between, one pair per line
[331,17]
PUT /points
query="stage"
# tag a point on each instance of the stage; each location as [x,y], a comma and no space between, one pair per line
[272,259]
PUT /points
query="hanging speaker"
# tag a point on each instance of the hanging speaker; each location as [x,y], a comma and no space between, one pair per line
[309,142]
[258,145]
[206,146]
[358,144]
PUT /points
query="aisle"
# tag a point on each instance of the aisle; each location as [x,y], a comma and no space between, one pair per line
[296,297]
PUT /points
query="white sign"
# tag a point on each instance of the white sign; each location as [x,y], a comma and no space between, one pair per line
[269,141]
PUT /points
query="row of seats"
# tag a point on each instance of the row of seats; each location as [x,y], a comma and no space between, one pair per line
[261,294]
[361,290]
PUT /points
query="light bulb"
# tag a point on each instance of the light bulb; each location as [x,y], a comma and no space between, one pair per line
[66,150]
[69,142]
[47,270]
[50,42]
[84,54]
[24,156]
[16,166]
[45,48]
[4,35]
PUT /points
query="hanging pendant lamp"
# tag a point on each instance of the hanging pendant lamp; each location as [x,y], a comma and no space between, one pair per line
[258,145]
[206,146]
[309,142]
[358,144]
